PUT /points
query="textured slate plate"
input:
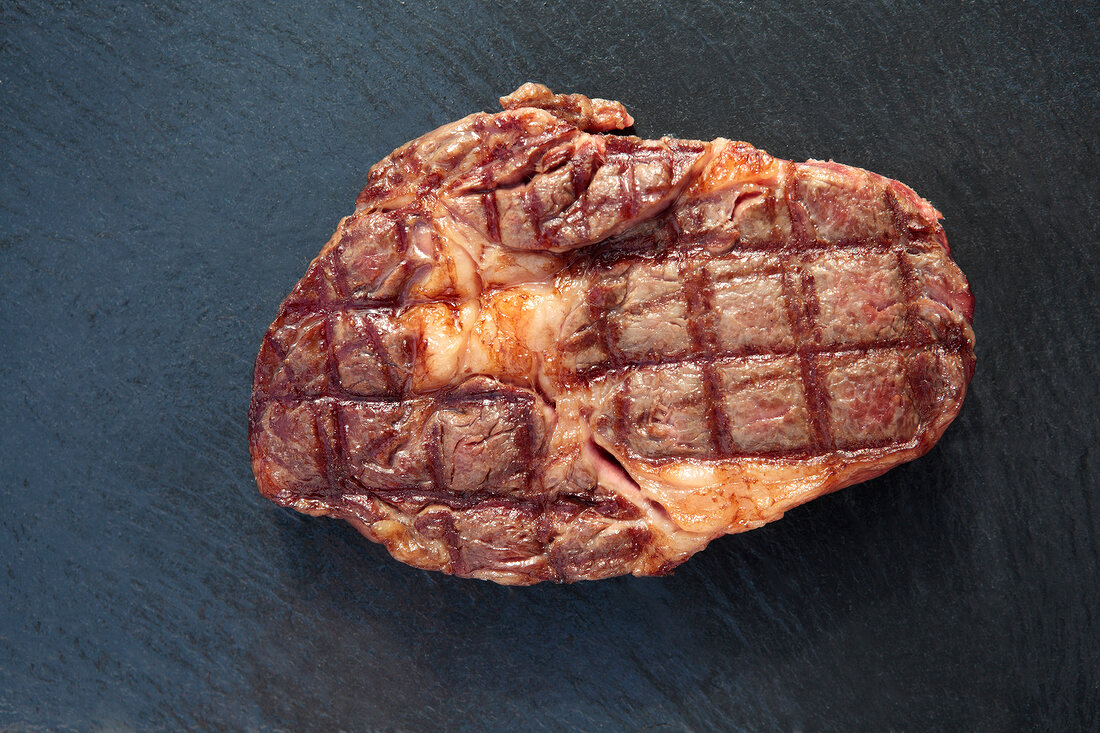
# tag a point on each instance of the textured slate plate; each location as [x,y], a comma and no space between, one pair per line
[166,174]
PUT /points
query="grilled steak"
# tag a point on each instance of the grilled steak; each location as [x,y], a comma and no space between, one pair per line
[539,352]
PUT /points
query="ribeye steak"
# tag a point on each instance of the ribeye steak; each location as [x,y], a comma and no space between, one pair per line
[538,351]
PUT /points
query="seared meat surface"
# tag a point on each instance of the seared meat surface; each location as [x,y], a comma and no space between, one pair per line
[540,352]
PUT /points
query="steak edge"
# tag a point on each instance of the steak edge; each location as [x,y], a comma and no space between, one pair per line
[537,351]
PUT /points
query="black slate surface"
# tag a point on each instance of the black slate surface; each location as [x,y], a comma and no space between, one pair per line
[168,170]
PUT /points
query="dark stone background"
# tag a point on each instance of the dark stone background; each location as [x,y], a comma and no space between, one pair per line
[166,173]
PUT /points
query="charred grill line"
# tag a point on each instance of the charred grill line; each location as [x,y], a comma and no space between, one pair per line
[795,315]
[697,243]
[280,354]
[629,204]
[445,399]
[331,473]
[453,543]
[545,532]
[817,398]
[339,275]
[433,452]
[332,370]
[421,499]
[802,307]
[619,415]
[606,333]
[532,208]
[910,290]
[335,458]
[697,289]
[386,365]
[600,371]
[800,239]
[339,450]
[525,435]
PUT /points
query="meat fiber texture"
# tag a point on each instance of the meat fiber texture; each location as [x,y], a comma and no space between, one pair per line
[537,351]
